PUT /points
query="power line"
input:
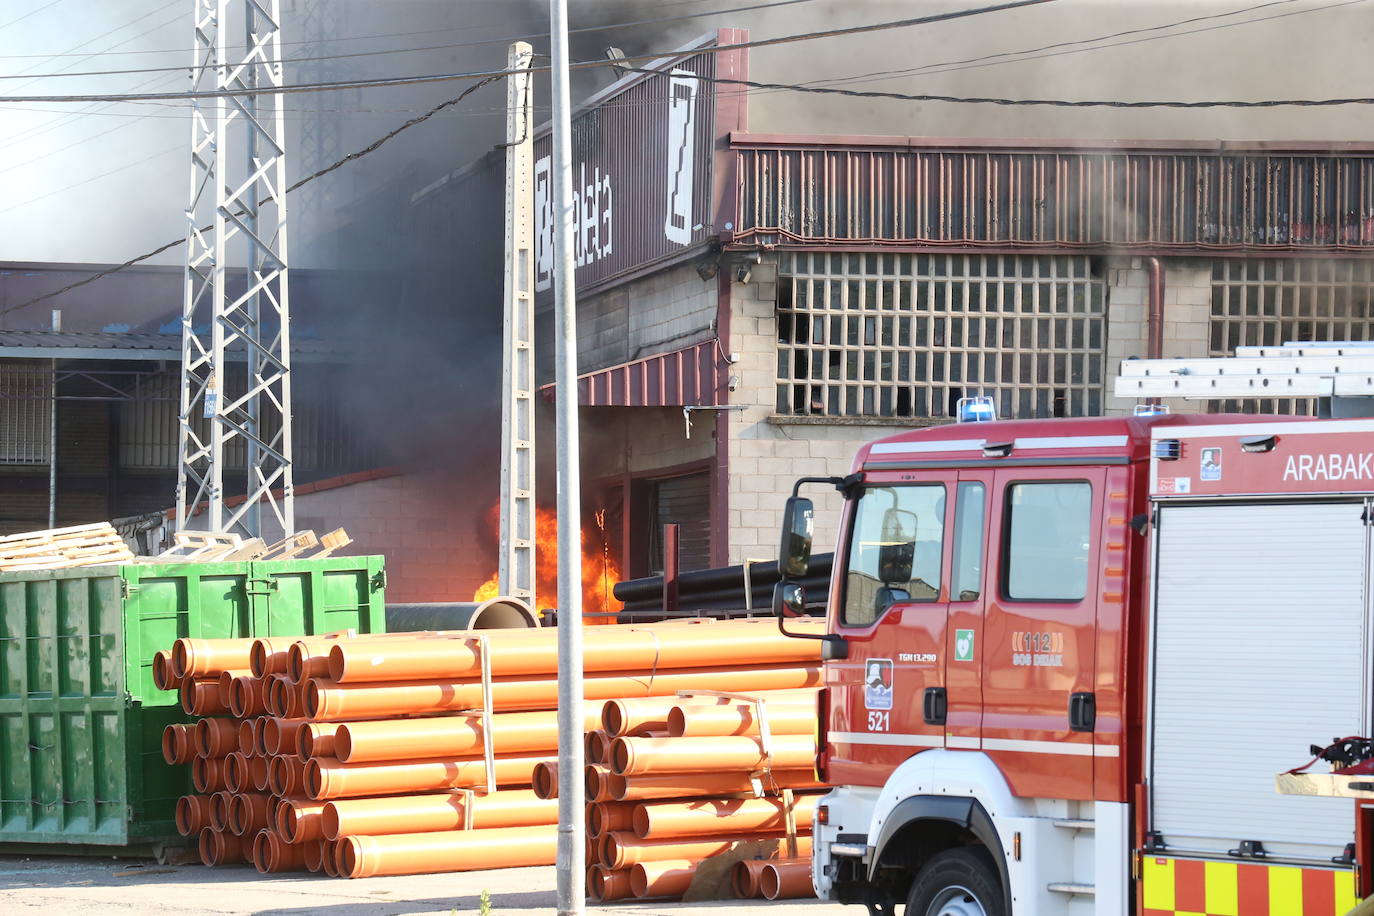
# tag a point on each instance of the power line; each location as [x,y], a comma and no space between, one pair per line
[32,12]
[442,47]
[1030,54]
[370,148]
[1054,103]
[141,161]
[478,75]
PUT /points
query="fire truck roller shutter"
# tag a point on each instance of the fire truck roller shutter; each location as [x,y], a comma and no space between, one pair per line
[965,812]
[1259,633]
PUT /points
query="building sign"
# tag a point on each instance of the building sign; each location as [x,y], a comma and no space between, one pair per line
[641,176]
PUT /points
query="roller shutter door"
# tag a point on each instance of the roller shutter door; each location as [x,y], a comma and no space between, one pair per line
[686,502]
[1259,637]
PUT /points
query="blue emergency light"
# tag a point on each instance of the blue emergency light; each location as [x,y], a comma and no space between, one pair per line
[1150,410]
[976,410]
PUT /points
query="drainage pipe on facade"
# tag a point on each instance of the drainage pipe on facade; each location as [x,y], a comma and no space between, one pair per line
[1155,313]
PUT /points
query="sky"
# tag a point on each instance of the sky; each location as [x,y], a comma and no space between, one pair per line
[103,182]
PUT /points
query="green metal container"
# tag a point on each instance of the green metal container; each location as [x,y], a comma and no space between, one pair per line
[80,720]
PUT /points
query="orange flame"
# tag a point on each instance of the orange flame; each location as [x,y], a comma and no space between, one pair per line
[599,569]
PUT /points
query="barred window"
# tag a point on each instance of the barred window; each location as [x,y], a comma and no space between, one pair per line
[25,413]
[889,335]
[1265,302]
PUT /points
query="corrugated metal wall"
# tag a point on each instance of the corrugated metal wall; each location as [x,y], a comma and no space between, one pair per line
[1054,199]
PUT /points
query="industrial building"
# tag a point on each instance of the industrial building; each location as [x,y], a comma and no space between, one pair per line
[768,279]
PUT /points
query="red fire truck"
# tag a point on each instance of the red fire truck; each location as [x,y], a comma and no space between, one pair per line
[1067,658]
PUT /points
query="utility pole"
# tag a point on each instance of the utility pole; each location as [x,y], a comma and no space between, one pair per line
[515,567]
[572,847]
[238,189]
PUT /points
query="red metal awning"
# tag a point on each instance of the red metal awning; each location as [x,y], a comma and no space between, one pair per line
[690,377]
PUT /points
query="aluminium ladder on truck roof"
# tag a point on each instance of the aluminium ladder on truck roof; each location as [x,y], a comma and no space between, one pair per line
[1339,374]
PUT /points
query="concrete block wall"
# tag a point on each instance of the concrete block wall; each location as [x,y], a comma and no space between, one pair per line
[664,311]
[768,453]
[1187,318]
[436,542]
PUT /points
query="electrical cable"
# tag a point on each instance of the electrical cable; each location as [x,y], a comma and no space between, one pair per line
[370,148]
[32,12]
[478,75]
[1016,57]
[443,47]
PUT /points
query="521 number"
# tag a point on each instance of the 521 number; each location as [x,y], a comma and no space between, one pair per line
[877,721]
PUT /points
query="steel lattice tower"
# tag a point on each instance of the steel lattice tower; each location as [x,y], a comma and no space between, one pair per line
[236,378]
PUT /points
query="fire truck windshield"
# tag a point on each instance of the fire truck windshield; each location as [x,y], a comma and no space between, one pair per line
[905,521]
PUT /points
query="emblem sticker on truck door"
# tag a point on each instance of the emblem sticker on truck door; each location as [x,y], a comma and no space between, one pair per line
[878,683]
[963,645]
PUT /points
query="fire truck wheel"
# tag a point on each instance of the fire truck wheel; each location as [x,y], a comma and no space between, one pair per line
[957,882]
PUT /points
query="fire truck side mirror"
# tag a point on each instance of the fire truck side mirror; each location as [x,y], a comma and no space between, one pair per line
[794,553]
[789,600]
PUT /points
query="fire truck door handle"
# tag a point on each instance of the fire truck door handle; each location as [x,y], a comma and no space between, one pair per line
[935,706]
[1082,712]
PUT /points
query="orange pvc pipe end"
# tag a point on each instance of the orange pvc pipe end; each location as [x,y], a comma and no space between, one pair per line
[744,877]
[544,778]
[786,879]
[202,698]
[192,814]
[604,885]
[668,878]
[236,773]
[201,657]
[217,737]
[316,739]
[246,697]
[286,776]
[248,813]
[313,855]
[247,745]
[302,821]
[279,735]
[598,789]
[207,774]
[641,756]
[452,850]
[603,817]
[219,809]
[268,656]
[271,854]
[163,678]
[259,773]
[178,744]
[597,746]
[716,816]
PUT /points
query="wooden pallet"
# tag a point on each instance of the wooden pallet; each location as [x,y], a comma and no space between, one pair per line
[222,547]
[63,548]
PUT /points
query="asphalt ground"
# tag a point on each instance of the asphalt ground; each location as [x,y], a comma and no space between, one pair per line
[98,886]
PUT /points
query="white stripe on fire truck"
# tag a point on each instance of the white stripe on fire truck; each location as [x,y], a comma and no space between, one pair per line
[1031,443]
[912,448]
[1051,747]
[890,739]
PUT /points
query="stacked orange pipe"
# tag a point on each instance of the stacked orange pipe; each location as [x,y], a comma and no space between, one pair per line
[366,755]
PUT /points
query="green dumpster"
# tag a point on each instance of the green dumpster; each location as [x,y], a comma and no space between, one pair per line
[80,720]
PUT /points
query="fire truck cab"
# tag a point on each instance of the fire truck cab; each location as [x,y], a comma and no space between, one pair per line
[1067,658]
